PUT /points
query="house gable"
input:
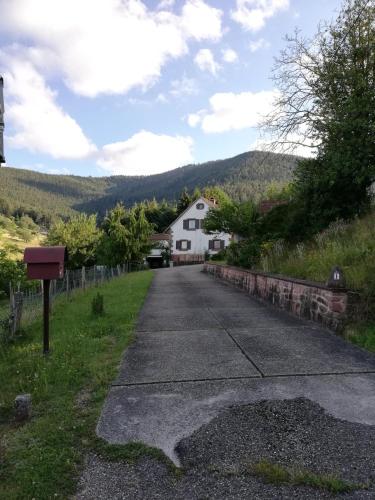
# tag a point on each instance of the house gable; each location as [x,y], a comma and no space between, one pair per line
[187,235]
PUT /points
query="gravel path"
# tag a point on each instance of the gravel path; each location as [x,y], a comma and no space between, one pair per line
[217,458]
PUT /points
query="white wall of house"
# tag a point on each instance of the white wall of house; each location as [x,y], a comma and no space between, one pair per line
[199,241]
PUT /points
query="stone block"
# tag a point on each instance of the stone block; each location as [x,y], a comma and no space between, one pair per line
[22,405]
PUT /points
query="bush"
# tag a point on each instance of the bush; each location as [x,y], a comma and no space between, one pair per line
[11,272]
[97,305]
[222,255]
[245,253]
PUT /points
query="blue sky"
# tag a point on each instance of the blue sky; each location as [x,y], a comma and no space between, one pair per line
[102,87]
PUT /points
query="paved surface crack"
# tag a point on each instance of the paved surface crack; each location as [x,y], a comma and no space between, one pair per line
[237,344]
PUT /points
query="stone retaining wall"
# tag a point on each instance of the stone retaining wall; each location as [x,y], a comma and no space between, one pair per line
[302,298]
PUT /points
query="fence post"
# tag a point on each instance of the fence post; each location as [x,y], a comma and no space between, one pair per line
[16,304]
[67,283]
[83,278]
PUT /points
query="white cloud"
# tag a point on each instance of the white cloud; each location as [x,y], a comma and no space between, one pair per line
[166,4]
[195,119]
[146,153]
[252,14]
[229,55]
[206,62]
[302,146]
[229,111]
[40,124]
[256,45]
[161,98]
[201,21]
[184,86]
[106,46]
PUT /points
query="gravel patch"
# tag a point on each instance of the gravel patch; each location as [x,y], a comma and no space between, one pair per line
[217,458]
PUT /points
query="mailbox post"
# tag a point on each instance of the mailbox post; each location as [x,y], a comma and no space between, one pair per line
[45,263]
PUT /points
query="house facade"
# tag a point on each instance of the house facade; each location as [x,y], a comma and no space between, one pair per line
[189,243]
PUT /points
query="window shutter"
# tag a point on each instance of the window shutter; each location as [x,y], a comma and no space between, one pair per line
[189,245]
[222,244]
[210,244]
[178,245]
[197,223]
[185,224]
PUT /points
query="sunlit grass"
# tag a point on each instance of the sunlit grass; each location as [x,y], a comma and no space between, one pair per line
[42,458]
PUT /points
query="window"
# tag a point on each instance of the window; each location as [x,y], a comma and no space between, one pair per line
[183,245]
[191,224]
[216,245]
[200,206]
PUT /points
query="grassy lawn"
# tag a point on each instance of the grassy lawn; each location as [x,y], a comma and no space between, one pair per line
[43,458]
[362,335]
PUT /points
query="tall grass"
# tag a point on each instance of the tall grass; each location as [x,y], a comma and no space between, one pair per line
[348,245]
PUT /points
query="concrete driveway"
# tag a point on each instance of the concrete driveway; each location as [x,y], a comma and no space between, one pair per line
[202,346]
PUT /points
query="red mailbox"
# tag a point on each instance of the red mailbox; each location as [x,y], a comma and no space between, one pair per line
[45,263]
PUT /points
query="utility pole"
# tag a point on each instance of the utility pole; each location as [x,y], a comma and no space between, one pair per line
[2,157]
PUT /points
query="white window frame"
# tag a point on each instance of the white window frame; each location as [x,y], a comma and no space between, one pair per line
[184,244]
[191,224]
[217,245]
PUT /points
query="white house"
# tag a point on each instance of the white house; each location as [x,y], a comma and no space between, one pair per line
[189,243]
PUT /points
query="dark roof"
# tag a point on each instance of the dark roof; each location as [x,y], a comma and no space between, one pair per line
[266,205]
[160,237]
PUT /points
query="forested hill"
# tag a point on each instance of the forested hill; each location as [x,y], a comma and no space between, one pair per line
[242,176]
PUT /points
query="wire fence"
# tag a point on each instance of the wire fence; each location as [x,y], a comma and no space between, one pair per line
[25,306]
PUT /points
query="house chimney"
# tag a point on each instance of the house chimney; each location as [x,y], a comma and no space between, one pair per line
[213,200]
[2,157]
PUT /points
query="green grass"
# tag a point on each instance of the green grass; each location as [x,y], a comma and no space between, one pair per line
[362,335]
[348,245]
[279,475]
[43,458]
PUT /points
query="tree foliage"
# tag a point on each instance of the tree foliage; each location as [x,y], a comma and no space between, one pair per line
[126,235]
[233,217]
[327,98]
[11,272]
[80,235]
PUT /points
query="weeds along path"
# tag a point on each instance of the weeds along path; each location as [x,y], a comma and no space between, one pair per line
[43,457]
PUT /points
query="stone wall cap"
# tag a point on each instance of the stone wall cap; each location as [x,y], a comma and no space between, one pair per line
[312,284]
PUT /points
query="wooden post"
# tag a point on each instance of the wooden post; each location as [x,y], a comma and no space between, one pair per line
[18,306]
[67,283]
[46,286]
[83,278]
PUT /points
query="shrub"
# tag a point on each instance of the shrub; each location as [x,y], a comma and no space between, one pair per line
[222,255]
[245,253]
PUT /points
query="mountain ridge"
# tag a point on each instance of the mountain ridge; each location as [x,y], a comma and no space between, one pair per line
[242,176]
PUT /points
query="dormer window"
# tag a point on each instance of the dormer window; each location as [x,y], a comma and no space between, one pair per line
[199,206]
